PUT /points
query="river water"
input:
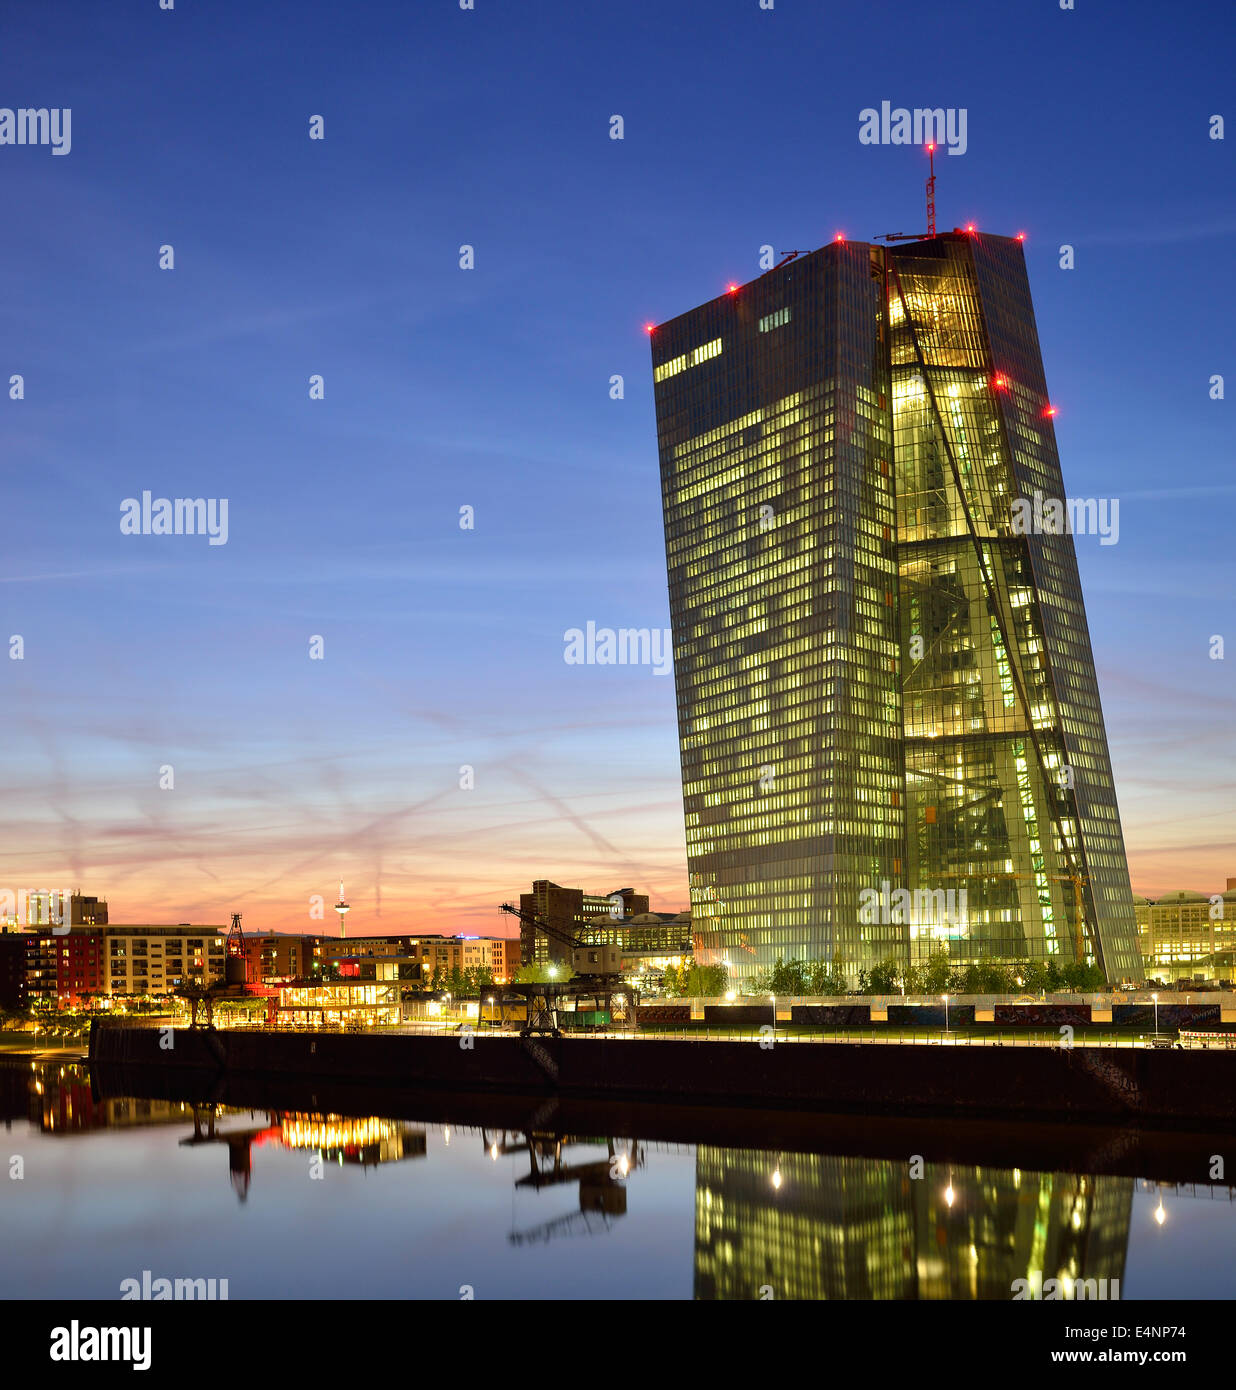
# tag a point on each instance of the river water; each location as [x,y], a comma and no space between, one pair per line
[285,1201]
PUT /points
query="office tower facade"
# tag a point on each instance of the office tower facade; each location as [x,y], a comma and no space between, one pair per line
[889,722]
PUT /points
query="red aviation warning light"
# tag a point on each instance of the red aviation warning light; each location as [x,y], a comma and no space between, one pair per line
[650,328]
[999,382]
[1021,236]
[839,237]
[1050,412]
[970,228]
[731,288]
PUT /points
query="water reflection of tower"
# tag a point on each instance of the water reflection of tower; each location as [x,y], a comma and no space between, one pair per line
[863,1228]
[342,907]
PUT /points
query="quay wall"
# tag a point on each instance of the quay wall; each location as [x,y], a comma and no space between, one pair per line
[1083,1083]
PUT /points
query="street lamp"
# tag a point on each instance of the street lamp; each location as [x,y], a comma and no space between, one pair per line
[773,997]
[946,1013]
[1155,997]
[491,1011]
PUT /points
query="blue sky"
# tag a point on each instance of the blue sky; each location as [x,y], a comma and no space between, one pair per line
[490,388]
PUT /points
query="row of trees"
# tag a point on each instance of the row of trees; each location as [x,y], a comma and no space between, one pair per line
[801,977]
[938,975]
[696,981]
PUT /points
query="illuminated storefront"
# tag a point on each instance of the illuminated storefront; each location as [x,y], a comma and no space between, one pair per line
[348,1004]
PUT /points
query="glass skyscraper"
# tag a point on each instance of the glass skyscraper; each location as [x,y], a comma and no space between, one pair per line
[884,687]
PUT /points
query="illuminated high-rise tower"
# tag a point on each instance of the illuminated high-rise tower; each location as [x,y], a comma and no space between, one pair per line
[343,907]
[882,684]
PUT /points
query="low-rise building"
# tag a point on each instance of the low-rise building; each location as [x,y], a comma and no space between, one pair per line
[1185,935]
[650,943]
[348,1004]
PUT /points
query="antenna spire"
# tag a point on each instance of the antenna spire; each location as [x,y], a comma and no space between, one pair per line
[342,907]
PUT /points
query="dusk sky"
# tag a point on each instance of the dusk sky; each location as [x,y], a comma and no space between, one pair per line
[490,388]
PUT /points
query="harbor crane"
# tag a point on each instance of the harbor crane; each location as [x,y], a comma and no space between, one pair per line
[597,974]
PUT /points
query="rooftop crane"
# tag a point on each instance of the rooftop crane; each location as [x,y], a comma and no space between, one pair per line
[931,206]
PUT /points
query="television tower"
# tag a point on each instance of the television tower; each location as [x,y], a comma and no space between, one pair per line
[342,907]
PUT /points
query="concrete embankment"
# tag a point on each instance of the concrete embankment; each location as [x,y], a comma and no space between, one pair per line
[1104,1085]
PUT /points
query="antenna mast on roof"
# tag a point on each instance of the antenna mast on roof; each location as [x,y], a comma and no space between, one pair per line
[931,205]
[931,189]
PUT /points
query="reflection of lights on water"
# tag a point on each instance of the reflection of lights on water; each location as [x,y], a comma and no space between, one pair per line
[332,1132]
[1159,1214]
[776,1179]
[624,1164]
[493,1152]
[446,1134]
[949,1195]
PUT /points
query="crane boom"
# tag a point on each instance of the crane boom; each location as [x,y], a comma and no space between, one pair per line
[542,924]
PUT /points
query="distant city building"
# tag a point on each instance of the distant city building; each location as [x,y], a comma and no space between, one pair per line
[157,959]
[571,910]
[650,943]
[69,967]
[88,911]
[1187,935]
[276,956]
[40,964]
[65,968]
[45,908]
[431,955]
[884,674]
